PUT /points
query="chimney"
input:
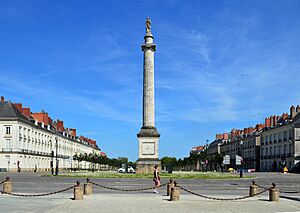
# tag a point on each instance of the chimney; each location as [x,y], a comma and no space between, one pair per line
[41,117]
[259,127]
[292,111]
[26,112]
[18,106]
[2,99]
[72,132]
[50,121]
[240,132]
[225,136]
[274,120]
[267,122]
[271,120]
[60,126]
[284,116]
[298,109]
[250,130]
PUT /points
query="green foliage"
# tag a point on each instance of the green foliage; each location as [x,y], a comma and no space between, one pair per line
[168,161]
[166,176]
[218,159]
[104,160]
[191,160]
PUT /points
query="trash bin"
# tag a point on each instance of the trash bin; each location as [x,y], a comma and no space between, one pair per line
[170,169]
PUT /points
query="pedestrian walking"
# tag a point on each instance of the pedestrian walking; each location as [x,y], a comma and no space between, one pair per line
[156,178]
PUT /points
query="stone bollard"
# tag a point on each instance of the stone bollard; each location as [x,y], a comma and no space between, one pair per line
[78,191]
[273,193]
[253,189]
[88,188]
[169,186]
[7,186]
[175,192]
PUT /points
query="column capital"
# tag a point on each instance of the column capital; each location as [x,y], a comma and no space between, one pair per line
[148,46]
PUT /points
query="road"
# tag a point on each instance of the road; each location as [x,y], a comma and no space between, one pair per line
[104,200]
[34,183]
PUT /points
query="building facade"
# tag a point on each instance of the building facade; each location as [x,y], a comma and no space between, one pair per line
[32,145]
[214,149]
[267,147]
[280,145]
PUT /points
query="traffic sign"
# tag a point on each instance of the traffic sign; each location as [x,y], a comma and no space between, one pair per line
[226,160]
[238,160]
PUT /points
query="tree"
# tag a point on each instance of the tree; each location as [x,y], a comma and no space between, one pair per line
[219,159]
[168,161]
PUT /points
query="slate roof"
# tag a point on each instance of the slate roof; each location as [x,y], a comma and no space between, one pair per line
[9,111]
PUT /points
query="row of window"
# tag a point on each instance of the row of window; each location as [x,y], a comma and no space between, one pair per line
[40,139]
[277,137]
[275,165]
[274,151]
[39,142]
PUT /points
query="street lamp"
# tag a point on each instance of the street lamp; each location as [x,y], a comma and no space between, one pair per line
[206,158]
[56,145]
[241,169]
[93,161]
[52,156]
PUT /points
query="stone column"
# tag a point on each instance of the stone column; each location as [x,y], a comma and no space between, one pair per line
[148,90]
[148,135]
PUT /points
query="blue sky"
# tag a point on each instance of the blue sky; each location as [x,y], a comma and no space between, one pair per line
[219,65]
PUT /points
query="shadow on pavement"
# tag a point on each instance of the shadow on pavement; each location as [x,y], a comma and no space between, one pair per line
[290,198]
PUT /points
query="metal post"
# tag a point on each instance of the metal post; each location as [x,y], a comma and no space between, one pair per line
[93,162]
[241,168]
[56,170]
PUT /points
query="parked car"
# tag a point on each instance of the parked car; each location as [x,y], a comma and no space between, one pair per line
[295,168]
[230,170]
[251,170]
[123,170]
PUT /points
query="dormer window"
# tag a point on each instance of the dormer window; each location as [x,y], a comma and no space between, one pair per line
[7,130]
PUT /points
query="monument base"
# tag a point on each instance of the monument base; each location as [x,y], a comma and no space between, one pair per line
[146,166]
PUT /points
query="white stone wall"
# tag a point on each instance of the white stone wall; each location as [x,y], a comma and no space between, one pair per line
[32,147]
[276,143]
[148,147]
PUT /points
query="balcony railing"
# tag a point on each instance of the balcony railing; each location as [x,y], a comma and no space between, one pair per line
[6,150]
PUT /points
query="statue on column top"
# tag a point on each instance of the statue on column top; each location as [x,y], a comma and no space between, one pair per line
[148,25]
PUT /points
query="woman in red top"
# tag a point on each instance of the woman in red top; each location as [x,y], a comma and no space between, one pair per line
[156,179]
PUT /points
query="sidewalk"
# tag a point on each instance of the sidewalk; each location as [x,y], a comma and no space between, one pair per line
[137,203]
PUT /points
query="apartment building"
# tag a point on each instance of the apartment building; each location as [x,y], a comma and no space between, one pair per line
[280,141]
[31,141]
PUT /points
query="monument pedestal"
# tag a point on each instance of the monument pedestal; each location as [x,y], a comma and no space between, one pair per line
[148,150]
[146,166]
